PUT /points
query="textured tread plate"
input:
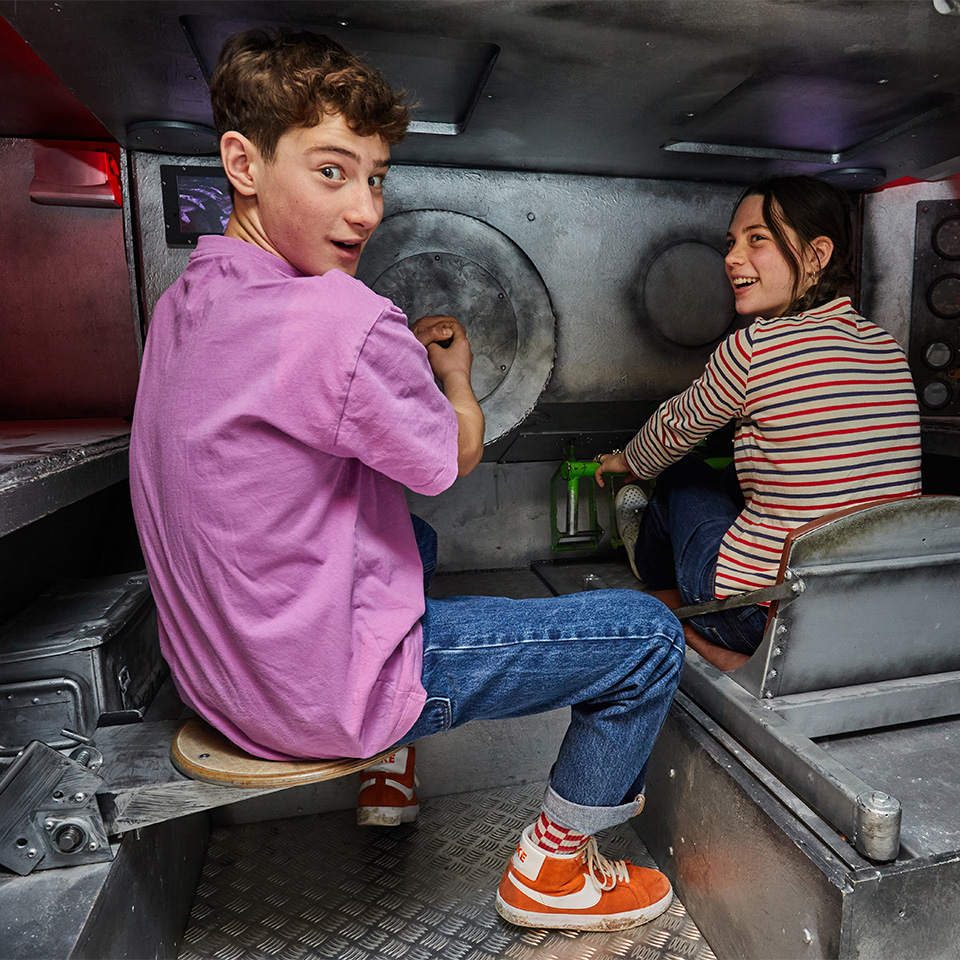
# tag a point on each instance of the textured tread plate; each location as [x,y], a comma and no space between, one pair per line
[321,887]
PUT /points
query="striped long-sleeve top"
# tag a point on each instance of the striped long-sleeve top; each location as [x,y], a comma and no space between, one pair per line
[826,416]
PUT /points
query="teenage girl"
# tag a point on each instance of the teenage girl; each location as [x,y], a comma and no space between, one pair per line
[825,413]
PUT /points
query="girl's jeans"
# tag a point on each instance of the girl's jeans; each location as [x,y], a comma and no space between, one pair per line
[613,656]
[691,510]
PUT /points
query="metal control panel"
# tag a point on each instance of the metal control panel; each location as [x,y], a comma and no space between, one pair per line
[935,313]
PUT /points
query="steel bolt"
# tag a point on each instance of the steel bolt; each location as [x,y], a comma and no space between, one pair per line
[79,797]
[48,825]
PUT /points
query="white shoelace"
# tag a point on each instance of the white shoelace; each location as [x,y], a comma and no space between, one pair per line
[612,871]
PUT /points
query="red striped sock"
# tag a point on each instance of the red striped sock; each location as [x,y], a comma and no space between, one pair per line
[553,838]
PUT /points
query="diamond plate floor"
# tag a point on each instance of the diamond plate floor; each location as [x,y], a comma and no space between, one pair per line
[319,886]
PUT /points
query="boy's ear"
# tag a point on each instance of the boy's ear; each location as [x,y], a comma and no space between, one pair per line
[238,155]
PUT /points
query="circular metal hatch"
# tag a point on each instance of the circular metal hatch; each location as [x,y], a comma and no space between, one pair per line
[440,262]
[686,295]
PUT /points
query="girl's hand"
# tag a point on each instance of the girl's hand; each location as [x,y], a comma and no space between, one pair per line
[612,463]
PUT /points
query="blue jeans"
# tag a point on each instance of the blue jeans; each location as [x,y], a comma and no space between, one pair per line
[691,509]
[613,656]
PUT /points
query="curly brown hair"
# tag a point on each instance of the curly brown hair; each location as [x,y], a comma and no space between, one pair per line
[265,84]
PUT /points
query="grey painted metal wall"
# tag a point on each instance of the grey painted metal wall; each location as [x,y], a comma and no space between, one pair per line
[888,241]
[590,239]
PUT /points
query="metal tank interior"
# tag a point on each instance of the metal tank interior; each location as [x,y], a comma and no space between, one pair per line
[565,190]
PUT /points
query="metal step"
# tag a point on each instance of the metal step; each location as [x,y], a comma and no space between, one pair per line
[321,887]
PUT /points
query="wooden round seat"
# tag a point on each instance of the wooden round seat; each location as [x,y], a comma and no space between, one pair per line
[202,753]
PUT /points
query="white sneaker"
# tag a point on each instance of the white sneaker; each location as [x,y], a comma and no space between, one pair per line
[629,505]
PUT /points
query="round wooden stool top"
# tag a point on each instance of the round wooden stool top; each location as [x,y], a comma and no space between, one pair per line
[202,753]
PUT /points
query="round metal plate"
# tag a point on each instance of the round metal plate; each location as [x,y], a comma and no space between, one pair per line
[437,262]
[686,294]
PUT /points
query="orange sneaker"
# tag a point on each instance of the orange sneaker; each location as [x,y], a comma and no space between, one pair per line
[388,795]
[581,891]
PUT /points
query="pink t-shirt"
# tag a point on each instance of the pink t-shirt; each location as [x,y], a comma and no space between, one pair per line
[278,419]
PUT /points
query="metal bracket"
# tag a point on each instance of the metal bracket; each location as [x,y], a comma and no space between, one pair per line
[49,816]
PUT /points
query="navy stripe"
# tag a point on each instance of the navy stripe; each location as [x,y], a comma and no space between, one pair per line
[889,488]
[747,472]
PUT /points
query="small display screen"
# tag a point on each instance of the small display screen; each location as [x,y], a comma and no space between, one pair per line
[196,201]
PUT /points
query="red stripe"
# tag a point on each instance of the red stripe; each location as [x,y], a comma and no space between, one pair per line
[843,482]
[826,335]
[753,545]
[787,415]
[820,507]
[745,520]
[915,447]
[864,428]
[792,391]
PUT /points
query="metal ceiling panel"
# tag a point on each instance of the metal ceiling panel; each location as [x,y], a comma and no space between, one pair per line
[865,91]
[443,76]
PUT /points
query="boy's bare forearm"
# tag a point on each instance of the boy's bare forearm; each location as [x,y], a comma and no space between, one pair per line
[470,422]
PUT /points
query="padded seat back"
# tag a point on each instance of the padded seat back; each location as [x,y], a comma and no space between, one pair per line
[881,600]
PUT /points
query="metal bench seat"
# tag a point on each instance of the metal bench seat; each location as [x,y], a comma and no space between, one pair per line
[871,638]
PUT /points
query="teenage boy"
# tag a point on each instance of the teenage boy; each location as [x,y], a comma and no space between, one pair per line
[283,408]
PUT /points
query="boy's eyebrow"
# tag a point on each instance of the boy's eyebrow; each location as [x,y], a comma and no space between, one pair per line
[343,151]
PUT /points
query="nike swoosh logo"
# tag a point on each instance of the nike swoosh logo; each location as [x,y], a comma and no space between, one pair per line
[406,791]
[586,897]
